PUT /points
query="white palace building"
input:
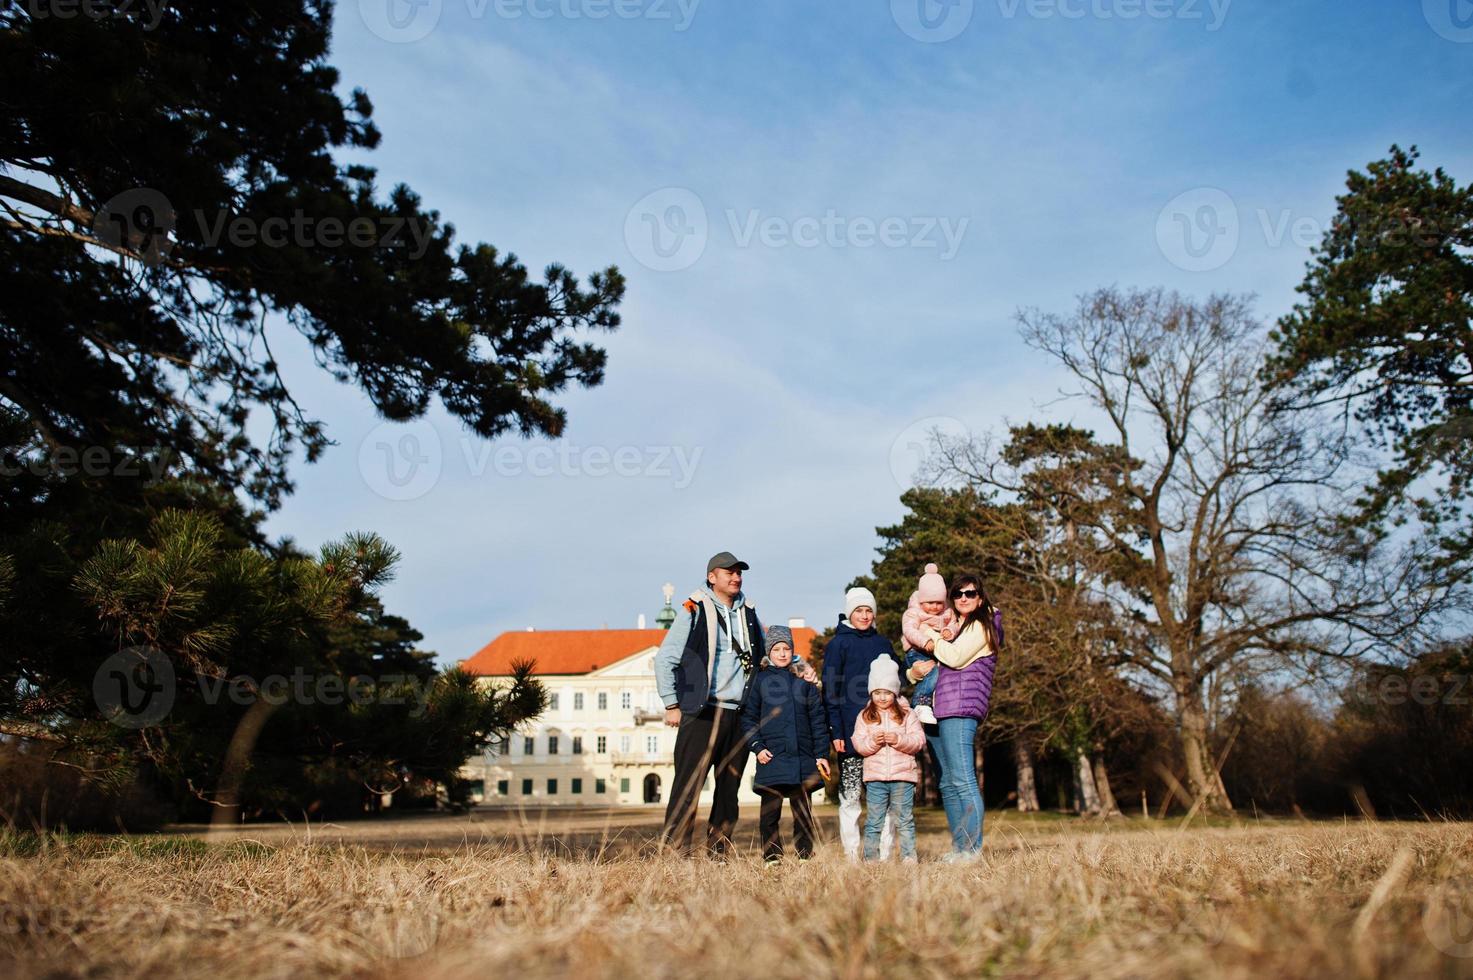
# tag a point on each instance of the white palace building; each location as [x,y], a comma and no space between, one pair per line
[602,740]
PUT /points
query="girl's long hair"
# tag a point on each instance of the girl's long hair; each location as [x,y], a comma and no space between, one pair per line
[871,712]
[985,614]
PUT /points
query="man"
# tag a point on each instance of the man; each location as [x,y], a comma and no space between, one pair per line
[702,672]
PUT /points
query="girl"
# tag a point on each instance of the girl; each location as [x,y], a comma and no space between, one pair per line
[888,735]
[963,693]
[927,608]
[784,725]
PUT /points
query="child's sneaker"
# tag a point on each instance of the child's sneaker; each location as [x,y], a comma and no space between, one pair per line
[925,715]
[772,862]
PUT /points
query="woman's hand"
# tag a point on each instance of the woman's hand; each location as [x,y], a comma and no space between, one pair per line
[923,668]
[765,756]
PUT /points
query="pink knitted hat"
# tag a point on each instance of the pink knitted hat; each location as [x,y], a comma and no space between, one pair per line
[932,587]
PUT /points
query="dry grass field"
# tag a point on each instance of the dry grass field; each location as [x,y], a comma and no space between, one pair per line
[575,895]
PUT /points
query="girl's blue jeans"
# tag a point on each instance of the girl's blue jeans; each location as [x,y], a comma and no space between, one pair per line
[960,795]
[880,799]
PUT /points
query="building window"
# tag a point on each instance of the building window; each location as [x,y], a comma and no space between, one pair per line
[600,787]
[652,744]
[601,744]
[623,785]
[603,700]
[623,743]
[552,745]
[577,744]
[578,701]
[526,787]
[552,787]
[503,787]
[529,745]
[552,702]
[626,700]
[578,785]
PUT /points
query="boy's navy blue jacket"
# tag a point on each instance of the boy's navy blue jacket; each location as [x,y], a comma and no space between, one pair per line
[846,662]
[784,714]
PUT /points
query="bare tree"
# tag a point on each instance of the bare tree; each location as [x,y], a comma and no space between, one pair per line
[1225,542]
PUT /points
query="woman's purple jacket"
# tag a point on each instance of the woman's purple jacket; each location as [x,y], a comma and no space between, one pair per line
[966,693]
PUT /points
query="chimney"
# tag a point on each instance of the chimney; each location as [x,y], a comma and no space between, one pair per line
[640,622]
[796,623]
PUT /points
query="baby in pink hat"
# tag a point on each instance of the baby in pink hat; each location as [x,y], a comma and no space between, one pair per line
[927,607]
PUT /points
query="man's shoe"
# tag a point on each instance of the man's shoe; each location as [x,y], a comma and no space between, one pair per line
[925,715]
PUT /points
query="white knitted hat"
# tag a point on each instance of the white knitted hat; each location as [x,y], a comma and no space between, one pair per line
[856,597]
[884,675]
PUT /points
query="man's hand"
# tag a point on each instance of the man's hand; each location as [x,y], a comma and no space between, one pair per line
[823,768]
[672,717]
[839,745]
[764,757]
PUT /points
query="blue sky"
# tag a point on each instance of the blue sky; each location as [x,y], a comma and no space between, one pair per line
[828,214]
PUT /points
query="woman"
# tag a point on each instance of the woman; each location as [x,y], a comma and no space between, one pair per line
[963,693]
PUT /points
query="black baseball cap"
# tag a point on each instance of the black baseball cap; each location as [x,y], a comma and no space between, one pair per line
[725,559]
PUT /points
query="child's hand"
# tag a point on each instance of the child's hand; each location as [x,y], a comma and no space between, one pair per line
[764,757]
[948,633]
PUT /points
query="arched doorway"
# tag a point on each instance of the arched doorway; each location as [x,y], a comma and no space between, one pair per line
[652,788]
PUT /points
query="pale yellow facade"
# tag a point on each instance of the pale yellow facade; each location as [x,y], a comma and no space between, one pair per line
[601,742]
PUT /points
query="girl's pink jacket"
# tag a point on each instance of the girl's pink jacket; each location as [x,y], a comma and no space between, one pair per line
[890,763]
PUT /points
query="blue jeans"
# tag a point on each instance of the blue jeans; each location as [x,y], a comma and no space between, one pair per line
[880,799]
[926,687]
[960,795]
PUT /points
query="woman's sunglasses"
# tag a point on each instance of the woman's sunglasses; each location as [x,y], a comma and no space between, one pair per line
[966,594]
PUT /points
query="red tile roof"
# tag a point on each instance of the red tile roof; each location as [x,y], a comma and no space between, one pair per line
[576,651]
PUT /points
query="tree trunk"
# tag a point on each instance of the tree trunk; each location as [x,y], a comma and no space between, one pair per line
[237,761]
[1027,780]
[1086,796]
[1202,779]
[1108,806]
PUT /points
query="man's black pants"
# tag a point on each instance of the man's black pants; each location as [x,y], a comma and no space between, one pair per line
[771,821]
[711,738]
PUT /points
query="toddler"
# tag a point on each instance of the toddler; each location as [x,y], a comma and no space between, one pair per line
[927,608]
